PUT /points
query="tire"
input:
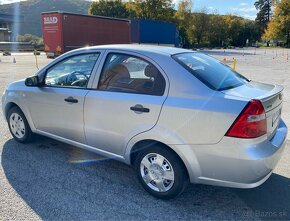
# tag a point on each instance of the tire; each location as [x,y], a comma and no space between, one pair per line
[156,163]
[18,125]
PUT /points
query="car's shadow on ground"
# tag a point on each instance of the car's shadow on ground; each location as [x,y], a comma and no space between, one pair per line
[60,182]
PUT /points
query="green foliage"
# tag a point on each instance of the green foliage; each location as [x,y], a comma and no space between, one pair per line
[217,35]
[202,29]
[30,38]
[111,8]
[148,9]
[153,9]
[264,13]
[183,20]
[279,27]
[199,28]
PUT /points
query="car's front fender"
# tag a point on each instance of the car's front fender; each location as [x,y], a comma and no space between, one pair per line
[15,96]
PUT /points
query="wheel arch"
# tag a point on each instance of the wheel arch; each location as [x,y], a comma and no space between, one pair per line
[8,106]
[12,104]
[149,142]
[170,139]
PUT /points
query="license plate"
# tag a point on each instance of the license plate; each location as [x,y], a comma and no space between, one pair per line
[276,116]
[50,54]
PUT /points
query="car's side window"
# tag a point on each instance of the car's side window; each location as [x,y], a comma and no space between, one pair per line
[72,72]
[130,74]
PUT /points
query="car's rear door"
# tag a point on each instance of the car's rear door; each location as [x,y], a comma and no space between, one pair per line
[57,107]
[126,100]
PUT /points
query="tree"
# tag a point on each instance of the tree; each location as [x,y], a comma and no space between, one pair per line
[153,9]
[30,38]
[218,30]
[183,13]
[183,20]
[251,32]
[200,24]
[271,32]
[279,26]
[110,8]
[264,8]
[148,9]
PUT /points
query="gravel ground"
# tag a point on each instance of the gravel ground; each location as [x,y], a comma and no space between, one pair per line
[50,180]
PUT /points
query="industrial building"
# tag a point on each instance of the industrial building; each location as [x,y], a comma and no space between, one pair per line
[6,23]
[8,35]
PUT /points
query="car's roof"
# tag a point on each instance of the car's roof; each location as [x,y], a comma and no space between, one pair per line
[142,48]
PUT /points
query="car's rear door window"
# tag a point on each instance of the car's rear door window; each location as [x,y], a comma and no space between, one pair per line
[210,71]
[131,74]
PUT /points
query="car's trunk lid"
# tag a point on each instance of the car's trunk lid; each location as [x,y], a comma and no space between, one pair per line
[269,95]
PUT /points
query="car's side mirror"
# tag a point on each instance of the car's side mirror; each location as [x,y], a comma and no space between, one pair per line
[32,81]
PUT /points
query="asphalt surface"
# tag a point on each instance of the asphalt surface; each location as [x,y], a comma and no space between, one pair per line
[50,180]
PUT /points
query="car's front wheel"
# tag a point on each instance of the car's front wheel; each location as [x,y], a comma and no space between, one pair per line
[18,125]
[161,172]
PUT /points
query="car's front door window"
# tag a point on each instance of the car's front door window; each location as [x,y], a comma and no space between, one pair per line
[72,72]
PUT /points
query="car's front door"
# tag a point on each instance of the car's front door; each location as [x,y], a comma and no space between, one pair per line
[57,107]
[127,100]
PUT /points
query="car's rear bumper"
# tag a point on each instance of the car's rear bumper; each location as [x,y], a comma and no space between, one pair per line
[241,163]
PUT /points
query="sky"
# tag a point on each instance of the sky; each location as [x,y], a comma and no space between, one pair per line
[244,8]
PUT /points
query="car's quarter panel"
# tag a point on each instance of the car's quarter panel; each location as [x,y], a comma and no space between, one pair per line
[200,119]
[52,114]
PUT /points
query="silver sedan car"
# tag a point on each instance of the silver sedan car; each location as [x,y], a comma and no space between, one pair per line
[177,116]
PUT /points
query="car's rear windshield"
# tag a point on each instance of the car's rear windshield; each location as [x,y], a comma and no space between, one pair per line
[210,71]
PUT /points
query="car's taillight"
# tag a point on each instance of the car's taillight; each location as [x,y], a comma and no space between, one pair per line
[250,123]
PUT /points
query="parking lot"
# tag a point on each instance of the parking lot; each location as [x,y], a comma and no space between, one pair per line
[54,181]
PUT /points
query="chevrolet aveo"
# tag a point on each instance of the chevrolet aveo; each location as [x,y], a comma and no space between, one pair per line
[176,115]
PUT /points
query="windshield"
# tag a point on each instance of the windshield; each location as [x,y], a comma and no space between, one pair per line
[210,71]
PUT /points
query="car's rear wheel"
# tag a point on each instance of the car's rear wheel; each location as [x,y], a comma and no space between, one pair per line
[161,172]
[18,125]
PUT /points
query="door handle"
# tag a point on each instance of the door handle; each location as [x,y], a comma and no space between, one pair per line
[71,100]
[140,108]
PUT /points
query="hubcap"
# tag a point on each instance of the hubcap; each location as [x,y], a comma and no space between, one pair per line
[157,172]
[17,125]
